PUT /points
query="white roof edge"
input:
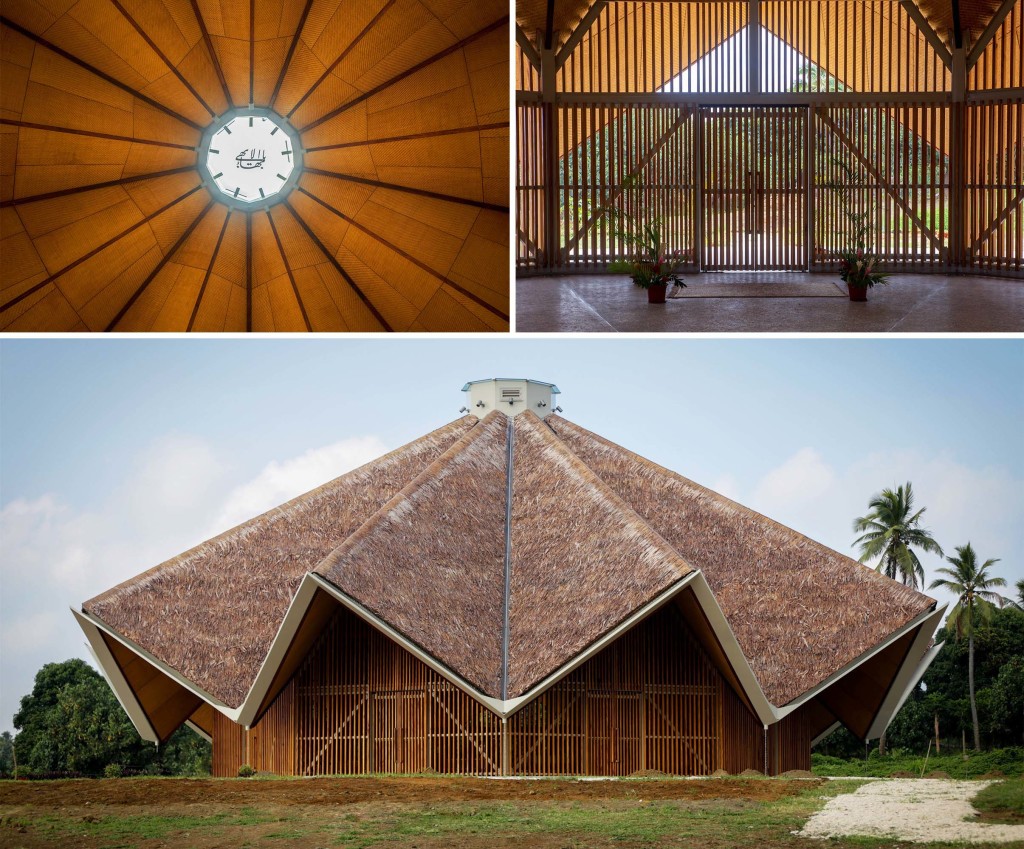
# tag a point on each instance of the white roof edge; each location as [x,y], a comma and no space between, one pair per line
[115,679]
[199,731]
[864,658]
[919,658]
[319,581]
[278,648]
[215,703]
[825,733]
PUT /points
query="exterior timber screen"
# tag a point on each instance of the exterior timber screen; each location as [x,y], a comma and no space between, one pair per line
[744,146]
[360,704]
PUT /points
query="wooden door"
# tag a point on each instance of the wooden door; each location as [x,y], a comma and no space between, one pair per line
[399,733]
[754,195]
[614,733]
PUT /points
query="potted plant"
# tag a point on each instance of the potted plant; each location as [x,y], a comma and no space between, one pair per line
[858,266]
[649,265]
[859,273]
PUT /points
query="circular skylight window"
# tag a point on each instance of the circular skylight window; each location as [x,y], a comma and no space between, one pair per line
[250,158]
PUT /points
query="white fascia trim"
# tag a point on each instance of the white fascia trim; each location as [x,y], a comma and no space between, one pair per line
[864,658]
[117,682]
[217,704]
[825,733]
[909,677]
[315,581]
[199,730]
[286,632]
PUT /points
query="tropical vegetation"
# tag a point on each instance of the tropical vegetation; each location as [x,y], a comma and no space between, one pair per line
[976,597]
[891,531]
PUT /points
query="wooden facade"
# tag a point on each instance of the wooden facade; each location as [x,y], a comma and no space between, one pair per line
[652,700]
[737,143]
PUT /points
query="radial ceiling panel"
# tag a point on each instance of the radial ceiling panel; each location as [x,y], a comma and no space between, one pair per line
[398,219]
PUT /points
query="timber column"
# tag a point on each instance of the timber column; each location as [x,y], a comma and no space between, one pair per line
[959,251]
[549,124]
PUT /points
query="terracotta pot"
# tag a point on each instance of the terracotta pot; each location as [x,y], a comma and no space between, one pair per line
[857,293]
[656,294]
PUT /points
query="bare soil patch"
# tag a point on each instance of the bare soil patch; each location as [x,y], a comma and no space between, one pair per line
[348,791]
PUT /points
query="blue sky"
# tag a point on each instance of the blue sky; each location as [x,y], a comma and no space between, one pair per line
[115,454]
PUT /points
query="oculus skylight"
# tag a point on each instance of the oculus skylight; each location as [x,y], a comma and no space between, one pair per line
[250,158]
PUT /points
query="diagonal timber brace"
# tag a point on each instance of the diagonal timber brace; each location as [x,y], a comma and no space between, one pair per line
[637,169]
[523,40]
[579,32]
[989,32]
[997,222]
[882,181]
[927,31]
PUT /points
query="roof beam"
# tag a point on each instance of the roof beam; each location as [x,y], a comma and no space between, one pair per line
[549,25]
[989,33]
[366,181]
[426,63]
[291,275]
[582,28]
[523,40]
[291,52]
[90,187]
[213,53]
[333,260]
[405,255]
[209,271]
[64,54]
[937,43]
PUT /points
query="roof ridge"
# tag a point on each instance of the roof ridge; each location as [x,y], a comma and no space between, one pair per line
[429,475]
[511,437]
[268,517]
[727,502]
[549,435]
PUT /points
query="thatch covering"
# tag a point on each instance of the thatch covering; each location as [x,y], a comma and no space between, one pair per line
[399,220]
[800,610]
[212,612]
[593,534]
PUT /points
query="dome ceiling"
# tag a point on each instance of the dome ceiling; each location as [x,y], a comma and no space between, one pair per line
[398,216]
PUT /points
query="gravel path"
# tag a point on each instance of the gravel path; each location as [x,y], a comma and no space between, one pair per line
[918,810]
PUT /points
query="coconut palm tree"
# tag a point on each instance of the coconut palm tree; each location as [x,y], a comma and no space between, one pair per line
[891,531]
[1018,602]
[975,599]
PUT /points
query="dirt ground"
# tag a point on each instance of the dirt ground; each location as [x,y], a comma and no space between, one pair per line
[348,791]
[404,813]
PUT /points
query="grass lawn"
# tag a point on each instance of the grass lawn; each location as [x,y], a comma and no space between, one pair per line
[729,813]
[1002,802]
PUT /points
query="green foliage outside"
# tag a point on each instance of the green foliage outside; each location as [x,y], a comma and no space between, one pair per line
[71,723]
[1009,762]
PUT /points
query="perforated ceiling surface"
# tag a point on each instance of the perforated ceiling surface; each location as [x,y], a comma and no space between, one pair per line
[558,18]
[398,220]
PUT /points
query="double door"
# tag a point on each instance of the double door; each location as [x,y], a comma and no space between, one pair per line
[754,188]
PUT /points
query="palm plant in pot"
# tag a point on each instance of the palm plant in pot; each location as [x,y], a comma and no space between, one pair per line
[649,265]
[858,266]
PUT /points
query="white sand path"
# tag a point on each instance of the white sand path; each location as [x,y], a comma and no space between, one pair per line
[917,810]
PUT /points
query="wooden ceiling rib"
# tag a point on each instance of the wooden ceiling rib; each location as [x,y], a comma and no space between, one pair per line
[398,223]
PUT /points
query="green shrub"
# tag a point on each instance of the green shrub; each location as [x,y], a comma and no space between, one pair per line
[1009,762]
[113,771]
[246,771]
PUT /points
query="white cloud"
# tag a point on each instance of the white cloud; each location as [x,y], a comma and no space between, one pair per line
[281,481]
[980,505]
[54,556]
[802,479]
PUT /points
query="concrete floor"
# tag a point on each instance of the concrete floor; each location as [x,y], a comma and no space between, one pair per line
[911,303]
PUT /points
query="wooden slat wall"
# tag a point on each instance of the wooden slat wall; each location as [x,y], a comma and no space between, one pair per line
[847,45]
[1001,64]
[995,185]
[742,733]
[527,77]
[530,243]
[651,700]
[899,175]
[228,747]
[642,46]
[364,704]
[605,146]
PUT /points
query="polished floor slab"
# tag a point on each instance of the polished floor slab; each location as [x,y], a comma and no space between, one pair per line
[911,303]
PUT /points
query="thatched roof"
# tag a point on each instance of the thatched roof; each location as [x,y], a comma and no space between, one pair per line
[504,593]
